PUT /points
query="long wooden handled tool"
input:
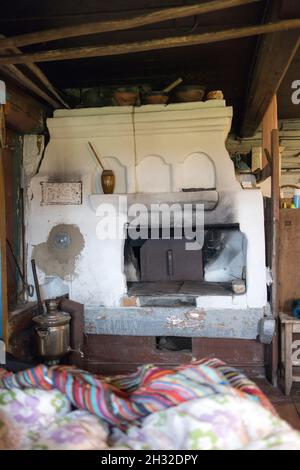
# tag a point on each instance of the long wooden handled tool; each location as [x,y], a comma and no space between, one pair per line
[26,287]
[37,287]
[172,85]
[95,153]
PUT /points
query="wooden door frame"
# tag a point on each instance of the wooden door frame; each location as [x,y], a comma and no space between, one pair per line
[3,264]
[276,171]
[272,168]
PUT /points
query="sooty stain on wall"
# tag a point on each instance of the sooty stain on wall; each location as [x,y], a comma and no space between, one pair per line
[58,255]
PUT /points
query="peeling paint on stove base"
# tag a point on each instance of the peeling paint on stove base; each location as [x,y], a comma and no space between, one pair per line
[238,324]
[222,302]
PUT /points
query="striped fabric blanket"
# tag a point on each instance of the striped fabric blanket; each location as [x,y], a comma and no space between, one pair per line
[122,400]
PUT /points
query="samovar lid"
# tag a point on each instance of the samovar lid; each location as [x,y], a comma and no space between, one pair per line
[53,317]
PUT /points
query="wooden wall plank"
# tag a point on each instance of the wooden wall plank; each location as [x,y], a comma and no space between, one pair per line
[106,354]
[289,258]
[8,176]
[12,160]
[3,268]
[22,112]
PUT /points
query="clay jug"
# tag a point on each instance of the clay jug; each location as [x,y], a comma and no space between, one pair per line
[108,181]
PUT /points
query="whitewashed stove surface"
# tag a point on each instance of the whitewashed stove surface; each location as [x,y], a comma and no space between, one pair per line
[154,151]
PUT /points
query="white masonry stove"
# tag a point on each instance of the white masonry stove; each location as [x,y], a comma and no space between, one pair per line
[160,155]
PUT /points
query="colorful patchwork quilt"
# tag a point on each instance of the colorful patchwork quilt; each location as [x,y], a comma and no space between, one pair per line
[203,405]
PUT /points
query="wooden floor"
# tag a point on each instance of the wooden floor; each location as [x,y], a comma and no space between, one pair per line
[288,408]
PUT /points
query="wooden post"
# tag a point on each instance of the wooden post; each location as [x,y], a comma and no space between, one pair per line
[270,143]
[3,270]
[270,122]
[276,168]
[288,365]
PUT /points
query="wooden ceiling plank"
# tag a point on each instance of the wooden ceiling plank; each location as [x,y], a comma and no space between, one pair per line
[274,57]
[87,29]
[155,44]
[37,72]
[14,73]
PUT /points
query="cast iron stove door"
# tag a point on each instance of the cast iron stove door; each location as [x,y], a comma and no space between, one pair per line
[168,260]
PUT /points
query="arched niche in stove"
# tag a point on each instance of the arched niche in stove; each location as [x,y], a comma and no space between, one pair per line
[153,175]
[198,172]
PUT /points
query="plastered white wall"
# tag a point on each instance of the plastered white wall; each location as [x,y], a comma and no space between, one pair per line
[99,276]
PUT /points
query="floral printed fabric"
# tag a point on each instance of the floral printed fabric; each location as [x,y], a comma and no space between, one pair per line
[221,422]
[121,401]
[40,419]
[78,430]
[195,407]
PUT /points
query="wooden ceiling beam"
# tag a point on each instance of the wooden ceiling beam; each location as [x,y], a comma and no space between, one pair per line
[39,74]
[48,94]
[150,45]
[275,54]
[87,29]
[14,73]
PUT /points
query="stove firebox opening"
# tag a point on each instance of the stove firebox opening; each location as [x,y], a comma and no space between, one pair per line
[160,267]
